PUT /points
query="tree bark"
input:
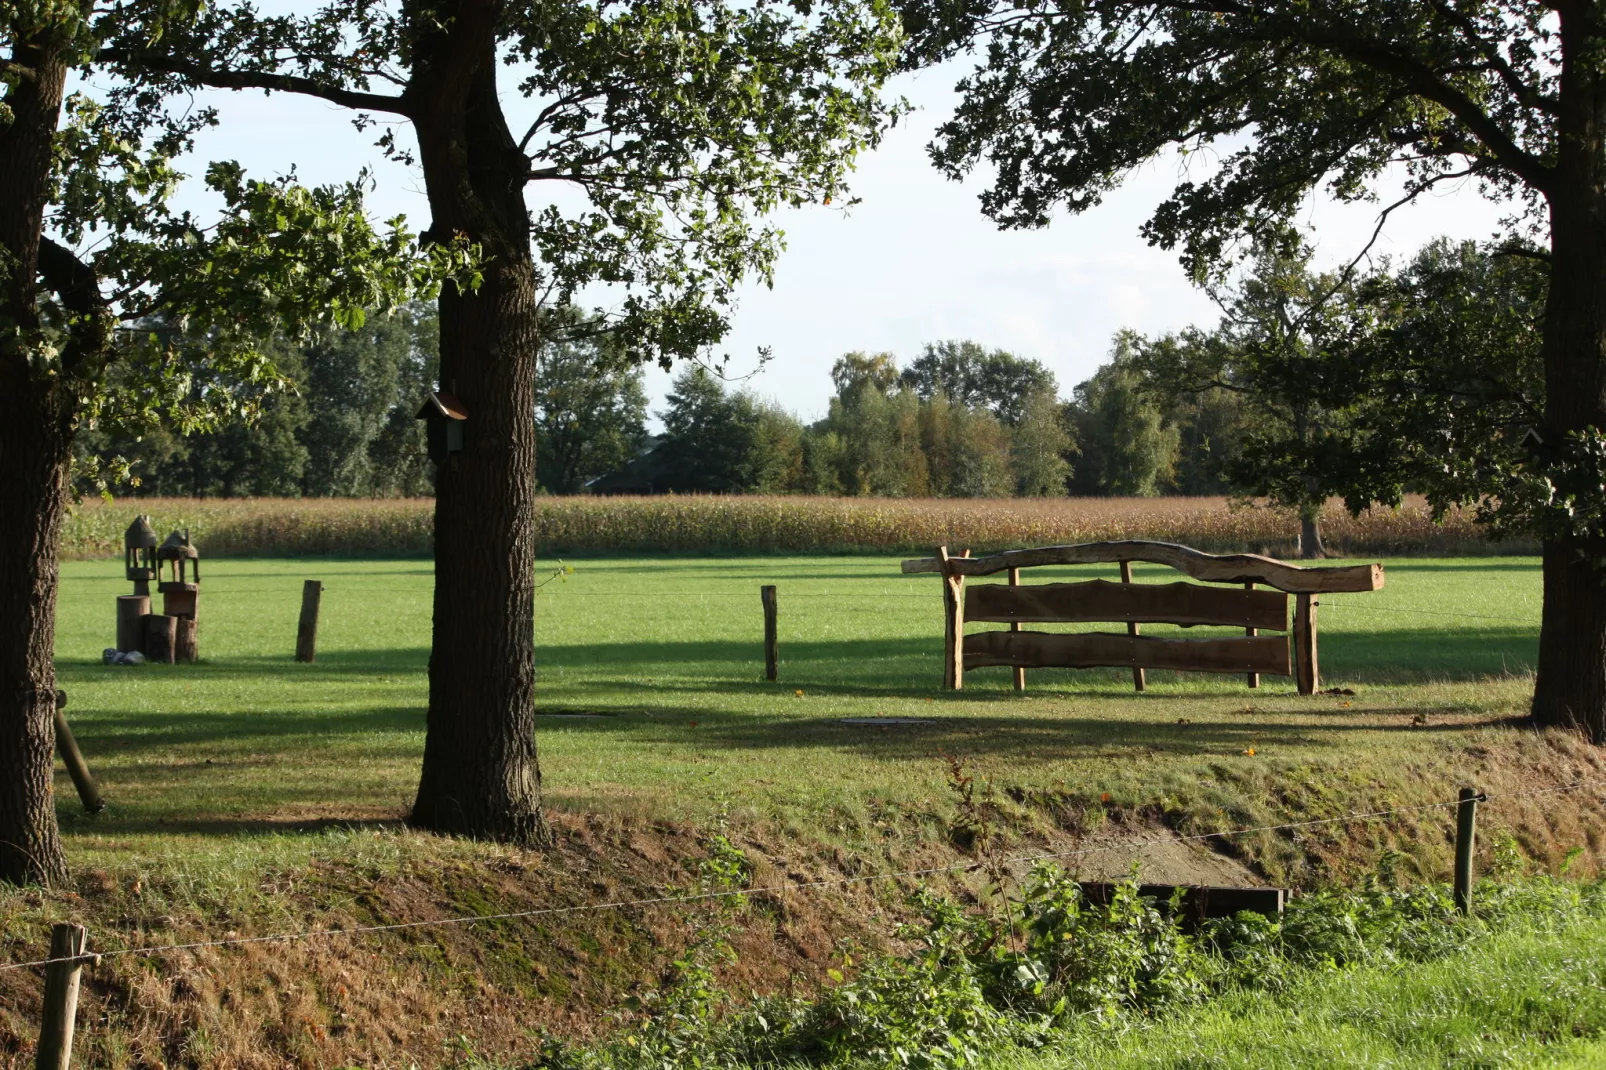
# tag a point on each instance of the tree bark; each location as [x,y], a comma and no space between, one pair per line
[1310,534]
[1570,688]
[34,445]
[480,775]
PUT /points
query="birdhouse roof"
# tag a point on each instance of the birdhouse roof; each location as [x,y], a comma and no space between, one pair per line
[177,546]
[440,403]
[140,535]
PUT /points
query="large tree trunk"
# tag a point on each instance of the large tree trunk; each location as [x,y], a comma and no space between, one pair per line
[1570,690]
[481,777]
[32,500]
[1310,533]
[33,455]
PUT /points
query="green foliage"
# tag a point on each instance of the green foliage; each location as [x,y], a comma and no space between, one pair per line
[1068,98]
[1055,966]
[591,409]
[341,424]
[1283,347]
[709,435]
[964,372]
[1124,444]
[680,125]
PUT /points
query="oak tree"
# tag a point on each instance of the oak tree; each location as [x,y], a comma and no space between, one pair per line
[1273,100]
[658,134]
[94,261]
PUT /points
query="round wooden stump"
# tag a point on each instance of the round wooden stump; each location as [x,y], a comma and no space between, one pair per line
[131,611]
[184,650]
[161,637]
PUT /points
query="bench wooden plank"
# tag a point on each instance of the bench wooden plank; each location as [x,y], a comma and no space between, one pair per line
[1211,568]
[1101,600]
[1086,650]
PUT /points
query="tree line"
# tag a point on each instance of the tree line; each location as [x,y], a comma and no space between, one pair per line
[1417,376]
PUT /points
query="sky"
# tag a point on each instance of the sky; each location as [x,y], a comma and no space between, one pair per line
[914,262]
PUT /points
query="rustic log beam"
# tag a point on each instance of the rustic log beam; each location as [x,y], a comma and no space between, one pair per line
[1187,604]
[1211,568]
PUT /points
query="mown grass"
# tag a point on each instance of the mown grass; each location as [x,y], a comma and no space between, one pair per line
[652,704]
[252,794]
[759,524]
[1519,999]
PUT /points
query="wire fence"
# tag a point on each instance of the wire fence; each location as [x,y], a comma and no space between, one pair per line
[787,887]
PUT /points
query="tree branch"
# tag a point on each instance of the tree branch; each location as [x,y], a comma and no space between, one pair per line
[266,80]
[20,71]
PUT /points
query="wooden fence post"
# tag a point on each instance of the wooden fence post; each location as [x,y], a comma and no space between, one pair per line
[307,631]
[1305,643]
[953,604]
[772,653]
[1139,677]
[1014,626]
[1466,831]
[1254,677]
[73,759]
[61,996]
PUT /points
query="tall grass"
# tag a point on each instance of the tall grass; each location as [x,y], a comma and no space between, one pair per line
[773,524]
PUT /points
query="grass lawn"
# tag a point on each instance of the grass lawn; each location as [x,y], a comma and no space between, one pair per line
[1519,1000]
[653,705]
[252,794]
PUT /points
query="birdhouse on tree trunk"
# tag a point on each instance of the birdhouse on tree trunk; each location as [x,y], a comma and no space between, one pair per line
[444,417]
[139,554]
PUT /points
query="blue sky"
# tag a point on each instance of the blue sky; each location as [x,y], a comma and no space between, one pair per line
[914,262]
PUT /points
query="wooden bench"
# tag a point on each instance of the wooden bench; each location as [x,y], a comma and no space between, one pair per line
[1186,604]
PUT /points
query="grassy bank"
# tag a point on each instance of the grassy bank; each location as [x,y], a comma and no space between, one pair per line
[705,525]
[1521,1000]
[250,794]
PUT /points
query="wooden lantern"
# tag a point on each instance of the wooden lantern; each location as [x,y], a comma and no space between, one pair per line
[179,568]
[139,554]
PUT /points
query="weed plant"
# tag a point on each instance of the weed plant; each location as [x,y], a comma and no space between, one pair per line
[1054,968]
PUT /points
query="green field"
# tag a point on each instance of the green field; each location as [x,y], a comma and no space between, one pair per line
[249,793]
[653,705]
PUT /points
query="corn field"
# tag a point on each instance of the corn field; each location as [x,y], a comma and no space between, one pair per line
[284,527]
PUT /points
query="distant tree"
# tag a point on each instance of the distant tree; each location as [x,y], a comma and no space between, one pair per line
[1037,448]
[877,428]
[590,411]
[339,422]
[1449,388]
[1124,445]
[980,454]
[775,459]
[352,382]
[1284,347]
[1211,426]
[858,371]
[968,374]
[708,435]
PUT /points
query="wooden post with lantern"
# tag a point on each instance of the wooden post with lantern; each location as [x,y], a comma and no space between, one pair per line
[178,565]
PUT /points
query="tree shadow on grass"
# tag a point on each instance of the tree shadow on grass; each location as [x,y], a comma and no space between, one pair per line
[224,826]
[908,667]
